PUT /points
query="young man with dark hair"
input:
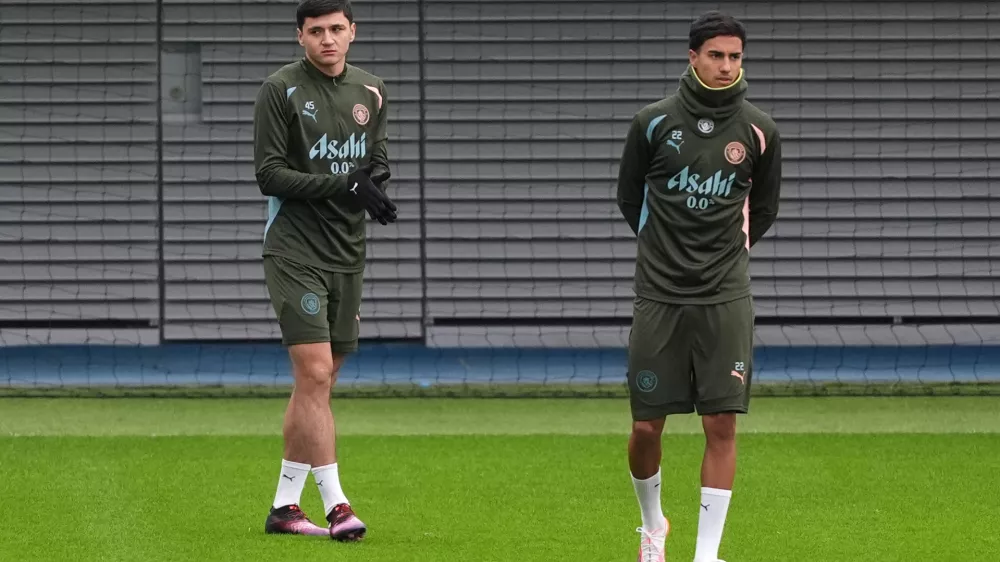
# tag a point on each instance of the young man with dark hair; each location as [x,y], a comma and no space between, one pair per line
[321,158]
[699,185]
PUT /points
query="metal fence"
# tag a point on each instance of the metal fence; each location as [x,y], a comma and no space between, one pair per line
[131,214]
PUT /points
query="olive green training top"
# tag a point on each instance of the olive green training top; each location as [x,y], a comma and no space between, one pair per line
[310,131]
[699,184]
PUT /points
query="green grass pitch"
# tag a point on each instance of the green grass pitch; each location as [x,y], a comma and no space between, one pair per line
[822,479]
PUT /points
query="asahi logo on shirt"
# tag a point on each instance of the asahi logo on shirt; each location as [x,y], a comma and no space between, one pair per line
[684,180]
[343,151]
[713,185]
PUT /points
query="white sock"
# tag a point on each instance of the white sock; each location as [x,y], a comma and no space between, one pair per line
[711,520]
[290,483]
[648,493]
[328,481]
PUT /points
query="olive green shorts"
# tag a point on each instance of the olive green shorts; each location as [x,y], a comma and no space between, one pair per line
[690,358]
[314,305]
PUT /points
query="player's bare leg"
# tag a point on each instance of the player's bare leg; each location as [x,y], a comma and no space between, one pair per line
[718,471]
[644,456]
[308,427]
[308,436]
[718,468]
[310,433]
[645,448]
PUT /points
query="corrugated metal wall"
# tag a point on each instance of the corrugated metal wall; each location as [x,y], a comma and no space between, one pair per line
[886,110]
[78,172]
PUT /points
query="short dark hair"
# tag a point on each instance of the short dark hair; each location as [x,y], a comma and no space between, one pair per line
[715,24]
[317,8]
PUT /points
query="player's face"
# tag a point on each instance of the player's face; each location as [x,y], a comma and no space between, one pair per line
[719,60]
[326,39]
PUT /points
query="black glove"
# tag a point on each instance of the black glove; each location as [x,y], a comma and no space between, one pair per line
[370,197]
[380,177]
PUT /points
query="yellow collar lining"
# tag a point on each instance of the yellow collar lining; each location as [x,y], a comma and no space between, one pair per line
[707,87]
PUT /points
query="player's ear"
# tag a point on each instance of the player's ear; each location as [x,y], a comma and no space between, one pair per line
[692,56]
[354,30]
[298,35]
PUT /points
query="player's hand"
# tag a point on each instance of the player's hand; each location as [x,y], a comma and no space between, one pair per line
[380,177]
[371,198]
